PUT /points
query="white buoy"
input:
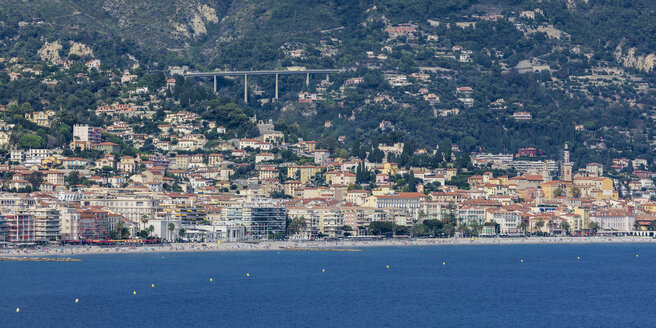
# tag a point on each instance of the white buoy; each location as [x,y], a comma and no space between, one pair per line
[17,310]
[443,263]
[77,300]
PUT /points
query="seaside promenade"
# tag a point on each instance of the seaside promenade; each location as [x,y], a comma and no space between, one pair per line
[313,245]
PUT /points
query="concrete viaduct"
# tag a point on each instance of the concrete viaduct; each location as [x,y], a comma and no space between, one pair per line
[245,74]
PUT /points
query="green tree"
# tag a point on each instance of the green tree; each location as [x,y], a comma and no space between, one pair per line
[73,178]
[419,230]
[144,220]
[522,227]
[150,230]
[593,226]
[475,227]
[296,225]
[30,141]
[347,230]
[558,192]
[171,229]
[434,226]
[35,179]
[382,228]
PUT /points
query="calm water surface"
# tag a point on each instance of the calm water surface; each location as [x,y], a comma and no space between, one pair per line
[479,286]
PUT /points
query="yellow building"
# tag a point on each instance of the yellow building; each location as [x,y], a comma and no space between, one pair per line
[495,181]
[80,145]
[40,118]
[303,172]
[390,168]
[549,188]
[215,159]
[584,218]
[598,188]
[268,173]
[51,162]
[4,138]
[381,191]
[649,207]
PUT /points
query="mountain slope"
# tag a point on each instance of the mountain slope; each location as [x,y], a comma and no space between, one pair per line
[584,70]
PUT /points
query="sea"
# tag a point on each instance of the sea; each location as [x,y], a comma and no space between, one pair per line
[556,285]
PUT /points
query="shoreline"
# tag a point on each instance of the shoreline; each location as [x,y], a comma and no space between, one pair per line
[313,246]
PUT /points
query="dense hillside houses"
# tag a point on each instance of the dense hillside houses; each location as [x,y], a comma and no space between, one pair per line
[307,193]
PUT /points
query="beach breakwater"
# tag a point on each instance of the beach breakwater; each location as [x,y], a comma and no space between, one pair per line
[39,259]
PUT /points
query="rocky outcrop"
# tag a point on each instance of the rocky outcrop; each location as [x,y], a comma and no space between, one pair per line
[644,63]
[49,52]
[208,13]
[80,49]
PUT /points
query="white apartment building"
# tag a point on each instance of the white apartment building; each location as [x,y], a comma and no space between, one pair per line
[507,221]
[614,220]
[87,133]
[132,207]
[69,226]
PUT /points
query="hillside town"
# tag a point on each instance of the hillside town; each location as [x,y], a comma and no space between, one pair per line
[267,188]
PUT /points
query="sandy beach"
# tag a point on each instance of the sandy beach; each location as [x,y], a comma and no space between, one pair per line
[310,245]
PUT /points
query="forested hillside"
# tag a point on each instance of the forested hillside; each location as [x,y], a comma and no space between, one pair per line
[484,75]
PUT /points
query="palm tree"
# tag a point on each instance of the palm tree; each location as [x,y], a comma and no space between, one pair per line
[565,226]
[463,228]
[422,216]
[119,228]
[539,225]
[144,220]
[593,226]
[150,229]
[296,225]
[181,232]
[522,227]
[550,225]
[171,229]
[475,227]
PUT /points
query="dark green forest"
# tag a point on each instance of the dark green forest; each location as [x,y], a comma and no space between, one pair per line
[616,118]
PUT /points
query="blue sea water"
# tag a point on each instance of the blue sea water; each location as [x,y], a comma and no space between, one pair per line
[477,286]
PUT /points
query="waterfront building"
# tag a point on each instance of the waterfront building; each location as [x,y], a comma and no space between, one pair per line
[4,229]
[132,207]
[614,220]
[47,222]
[69,227]
[327,221]
[20,228]
[260,220]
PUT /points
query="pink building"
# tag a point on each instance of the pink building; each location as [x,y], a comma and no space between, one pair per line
[21,228]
